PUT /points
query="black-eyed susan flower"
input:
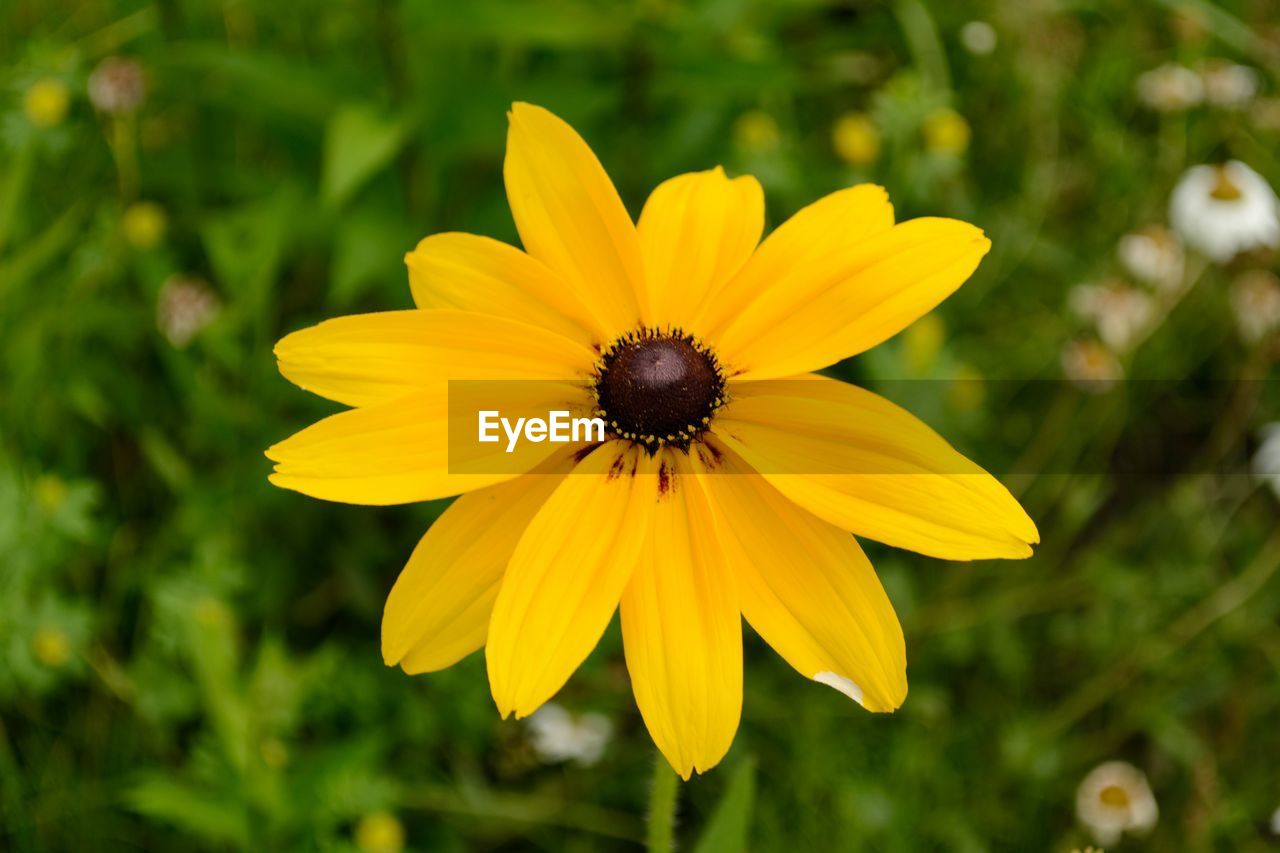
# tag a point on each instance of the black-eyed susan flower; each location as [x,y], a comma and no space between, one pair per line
[716,493]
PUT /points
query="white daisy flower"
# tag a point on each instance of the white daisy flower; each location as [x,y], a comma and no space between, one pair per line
[1266,459]
[1170,88]
[184,307]
[1114,799]
[1153,254]
[1091,366]
[978,37]
[558,735]
[1119,313]
[118,85]
[1227,84]
[1224,210]
[1255,299]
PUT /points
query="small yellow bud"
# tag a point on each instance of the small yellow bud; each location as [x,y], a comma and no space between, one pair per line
[757,131]
[946,131]
[49,492]
[967,391]
[51,647]
[46,102]
[212,613]
[922,341]
[144,224]
[274,753]
[380,832]
[856,139]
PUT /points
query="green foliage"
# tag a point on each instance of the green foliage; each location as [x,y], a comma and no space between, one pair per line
[729,825]
[189,658]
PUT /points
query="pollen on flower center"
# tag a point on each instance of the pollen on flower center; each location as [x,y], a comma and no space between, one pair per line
[658,387]
[1224,189]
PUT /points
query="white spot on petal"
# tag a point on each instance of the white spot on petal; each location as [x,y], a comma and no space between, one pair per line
[844,685]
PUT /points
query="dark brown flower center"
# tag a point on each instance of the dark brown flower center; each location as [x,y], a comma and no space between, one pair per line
[658,387]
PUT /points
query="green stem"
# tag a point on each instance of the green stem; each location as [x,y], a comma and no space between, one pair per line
[926,47]
[662,807]
[13,190]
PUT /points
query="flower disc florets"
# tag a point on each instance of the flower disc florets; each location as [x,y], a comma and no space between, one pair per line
[658,387]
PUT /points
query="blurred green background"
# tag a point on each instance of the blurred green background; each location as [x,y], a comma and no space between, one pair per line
[190,659]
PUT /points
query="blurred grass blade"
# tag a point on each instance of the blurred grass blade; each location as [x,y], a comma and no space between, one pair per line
[165,459]
[730,823]
[359,142]
[926,47]
[37,252]
[566,23]
[1227,27]
[189,809]
[276,88]
[13,188]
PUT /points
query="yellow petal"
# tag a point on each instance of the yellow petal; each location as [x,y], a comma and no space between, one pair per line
[471,273]
[438,610]
[853,458]
[371,358]
[830,307]
[567,575]
[778,274]
[570,217]
[681,629]
[399,452]
[807,589]
[696,230]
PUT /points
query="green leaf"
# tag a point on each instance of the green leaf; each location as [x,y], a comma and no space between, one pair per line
[726,831]
[247,245]
[165,459]
[189,809]
[368,250]
[359,142]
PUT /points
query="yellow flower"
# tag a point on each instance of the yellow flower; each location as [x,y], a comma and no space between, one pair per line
[380,832]
[923,343]
[967,390]
[45,103]
[946,131]
[50,492]
[856,139]
[212,613]
[716,494]
[51,647]
[757,131]
[144,224]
